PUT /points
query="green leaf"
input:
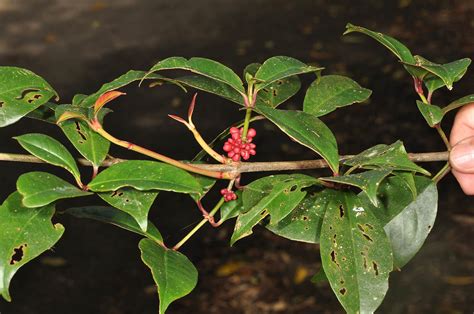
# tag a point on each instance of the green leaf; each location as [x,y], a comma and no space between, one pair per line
[304,222]
[117,218]
[307,130]
[409,179]
[432,114]
[367,181]
[123,80]
[173,273]
[392,44]
[42,188]
[276,196]
[466,100]
[44,113]
[440,75]
[49,150]
[145,175]
[87,142]
[232,209]
[456,70]
[135,203]
[250,71]
[330,92]
[278,92]
[383,156]
[202,66]
[407,219]
[212,86]
[21,92]
[320,276]
[356,254]
[26,233]
[280,67]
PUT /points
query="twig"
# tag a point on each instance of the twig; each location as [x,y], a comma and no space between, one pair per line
[241,167]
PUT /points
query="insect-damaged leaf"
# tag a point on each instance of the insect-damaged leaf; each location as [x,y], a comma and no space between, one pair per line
[383,156]
[135,203]
[118,218]
[355,253]
[49,150]
[172,272]
[276,196]
[87,142]
[407,219]
[21,92]
[26,233]
[232,209]
[145,175]
[330,92]
[42,188]
[307,130]
[304,222]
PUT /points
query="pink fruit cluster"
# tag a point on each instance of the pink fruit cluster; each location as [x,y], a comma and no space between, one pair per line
[236,148]
[228,195]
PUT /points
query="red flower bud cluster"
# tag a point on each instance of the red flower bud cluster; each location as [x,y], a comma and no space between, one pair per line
[236,148]
[228,195]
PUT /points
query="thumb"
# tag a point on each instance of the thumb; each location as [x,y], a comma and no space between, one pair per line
[462,156]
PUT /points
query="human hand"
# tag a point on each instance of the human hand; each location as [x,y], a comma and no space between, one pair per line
[462,153]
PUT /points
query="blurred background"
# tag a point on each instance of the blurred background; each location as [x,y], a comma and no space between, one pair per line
[78,45]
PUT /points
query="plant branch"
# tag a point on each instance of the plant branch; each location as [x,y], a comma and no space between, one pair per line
[240,167]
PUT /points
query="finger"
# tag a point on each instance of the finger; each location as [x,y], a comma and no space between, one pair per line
[463,126]
[466,181]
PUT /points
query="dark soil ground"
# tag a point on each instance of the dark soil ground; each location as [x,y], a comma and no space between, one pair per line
[77,45]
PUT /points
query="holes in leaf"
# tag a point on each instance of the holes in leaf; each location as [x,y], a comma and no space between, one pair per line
[279,82]
[429,227]
[79,131]
[341,211]
[25,93]
[376,268]
[1,104]
[360,227]
[342,291]
[275,93]
[333,258]
[369,226]
[305,218]
[293,188]
[117,193]
[367,237]
[266,90]
[17,254]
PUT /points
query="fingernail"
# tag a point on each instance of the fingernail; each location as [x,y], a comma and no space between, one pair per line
[462,156]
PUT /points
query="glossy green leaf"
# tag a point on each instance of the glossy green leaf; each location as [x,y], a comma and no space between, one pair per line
[21,92]
[121,81]
[145,175]
[307,130]
[407,219]
[278,92]
[172,272]
[440,75]
[330,92]
[409,179]
[135,203]
[355,253]
[367,181]
[232,209]
[456,70]
[279,68]
[212,86]
[49,150]
[87,142]
[26,233]
[383,156]
[117,218]
[42,188]
[466,100]
[432,114]
[276,196]
[320,276]
[250,71]
[304,222]
[202,66]
[392,44]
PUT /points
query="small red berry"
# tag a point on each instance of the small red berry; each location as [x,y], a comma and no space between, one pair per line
[228,195]
[234,146]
